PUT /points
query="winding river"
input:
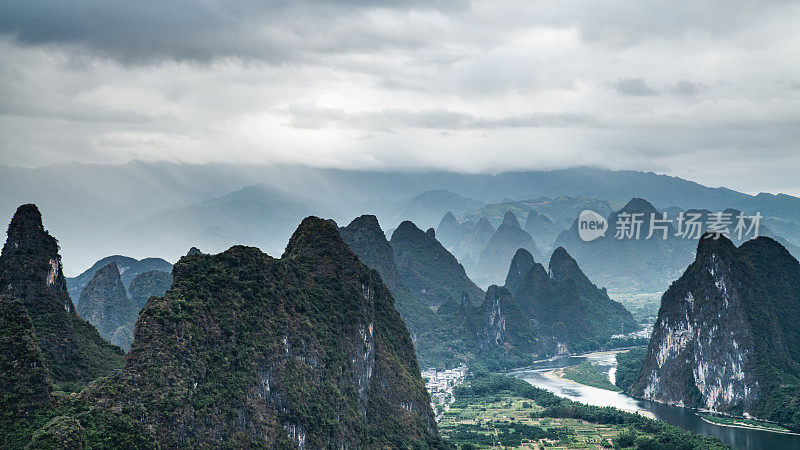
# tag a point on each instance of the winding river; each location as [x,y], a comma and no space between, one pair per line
[739,438]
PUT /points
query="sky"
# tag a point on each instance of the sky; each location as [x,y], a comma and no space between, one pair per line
[708,91]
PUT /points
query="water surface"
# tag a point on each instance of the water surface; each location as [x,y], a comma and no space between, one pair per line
[738,438]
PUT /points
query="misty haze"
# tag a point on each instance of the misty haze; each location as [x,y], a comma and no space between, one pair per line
[412,225]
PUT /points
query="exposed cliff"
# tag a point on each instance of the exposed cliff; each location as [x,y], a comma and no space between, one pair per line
[364,236]
[496,334]
[727,336]
[30,271]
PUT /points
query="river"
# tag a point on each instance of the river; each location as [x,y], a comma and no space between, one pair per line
[738,438]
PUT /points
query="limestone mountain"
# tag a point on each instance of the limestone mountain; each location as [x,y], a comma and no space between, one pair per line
[450,231]
[431,272]
[727,336]
[154,283]
[496,332]
[493,261]
[364,236]
[30,272]
[105,304]
[521,263]
[562,297]
[465,240]
[246,350]
[129,268]
[628,263]
[543,231]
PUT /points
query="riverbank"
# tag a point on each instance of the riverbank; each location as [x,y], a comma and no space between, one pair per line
[554,375]
[746,426]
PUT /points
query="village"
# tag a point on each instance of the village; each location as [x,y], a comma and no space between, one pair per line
[440,385]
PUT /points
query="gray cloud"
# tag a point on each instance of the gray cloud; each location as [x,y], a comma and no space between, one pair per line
[389,120]
[685,88]
[150,30]
[470,85]
[633,86]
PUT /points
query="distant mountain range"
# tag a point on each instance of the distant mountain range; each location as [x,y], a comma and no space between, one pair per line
[129,268]
[161,209]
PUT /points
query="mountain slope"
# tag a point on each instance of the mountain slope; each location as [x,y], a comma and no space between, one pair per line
[563,300]
[495,334]
[493,262]
[30,271]
[639,265]
[733,315]
[129,268]
[154,283]
[364,236]
[105,304]
[426,208]
[331,364]
[24,379]
[431,272]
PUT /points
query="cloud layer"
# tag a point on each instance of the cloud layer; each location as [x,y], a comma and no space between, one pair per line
[704,90]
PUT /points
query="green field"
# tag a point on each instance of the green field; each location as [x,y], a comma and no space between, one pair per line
[508,420]
[496,411]
[588,374]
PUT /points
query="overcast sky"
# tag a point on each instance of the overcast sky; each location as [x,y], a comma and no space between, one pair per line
[705,90]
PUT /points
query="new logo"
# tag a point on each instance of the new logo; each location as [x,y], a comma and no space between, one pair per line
[591,225]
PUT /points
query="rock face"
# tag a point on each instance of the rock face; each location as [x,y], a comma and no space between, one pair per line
[105,304]
[496,331]
[565,304]
[493,262]
[305,351]
[364,236]
[129,268]
[30,271]
[630,265]
[154,283]
[726,337]
[431,272]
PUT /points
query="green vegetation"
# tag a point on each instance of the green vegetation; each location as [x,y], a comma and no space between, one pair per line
[431,272]
[153,283]
[248,351]
[629,364]
[745,423]
[511,412]
[564,298]
[757,313]
[30,272]
[588,374]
